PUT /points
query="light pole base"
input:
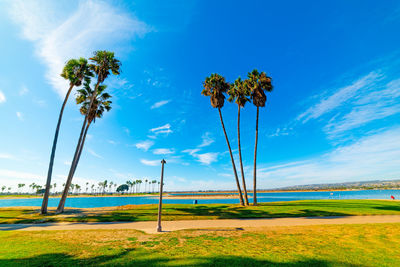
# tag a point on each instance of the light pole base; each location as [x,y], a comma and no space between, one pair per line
[159,229]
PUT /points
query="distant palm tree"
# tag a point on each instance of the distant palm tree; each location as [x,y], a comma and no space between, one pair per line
[3,188]
[240,94]
[258,83]
[145,185]
[133,186]
[100,105]
[130,184]
[54,186]
[74,71]
[215,86]
[92,188]
[139,182]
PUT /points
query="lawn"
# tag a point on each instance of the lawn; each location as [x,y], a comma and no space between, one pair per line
[329,245]
[305,208]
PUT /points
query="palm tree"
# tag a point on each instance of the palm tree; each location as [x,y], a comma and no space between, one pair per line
[100,104]
[145,185]
[215,86]
[258,83]
[54,186]
[240,94]
[74,71]
[130,184]
[139,182]
[20,186]
[3,188]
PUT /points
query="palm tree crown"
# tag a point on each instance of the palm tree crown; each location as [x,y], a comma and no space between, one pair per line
[215,86]
[105,64]
[239,92]
[75,70]
[100,104]
[258,83]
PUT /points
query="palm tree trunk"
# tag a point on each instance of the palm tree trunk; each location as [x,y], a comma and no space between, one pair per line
[77,155]
[233,162]
[255,164]
[53,154]
[241,162]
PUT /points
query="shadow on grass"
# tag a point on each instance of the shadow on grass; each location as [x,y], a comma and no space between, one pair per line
[226,212]
[306,208]
[143,259]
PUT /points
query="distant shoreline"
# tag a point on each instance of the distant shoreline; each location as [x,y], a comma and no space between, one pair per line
[191,195]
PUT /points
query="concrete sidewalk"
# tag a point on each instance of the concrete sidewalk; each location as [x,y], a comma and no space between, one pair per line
[150,226]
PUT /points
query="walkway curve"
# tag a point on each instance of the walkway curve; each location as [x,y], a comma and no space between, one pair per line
[150,226]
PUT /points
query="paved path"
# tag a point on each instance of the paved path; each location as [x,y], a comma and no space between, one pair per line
[150,227]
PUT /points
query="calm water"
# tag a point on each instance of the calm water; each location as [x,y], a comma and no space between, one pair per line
[97,202]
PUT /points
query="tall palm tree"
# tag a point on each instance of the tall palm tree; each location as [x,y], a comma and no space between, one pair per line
[215,86]
[240,94]
[74,71]
[258,83]
[99,105]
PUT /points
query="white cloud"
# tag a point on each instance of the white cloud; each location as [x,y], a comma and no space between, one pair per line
[162,129]
[2,97]
[150,162]
[206,140]
[191,151]
[112,142]
[339,98]
[163,151]
[376,156]
[381,102]
[24,90]
[67,162]
[145,145]
[58,36]
[207,158]
[6,156]
[91,152]
[159,104]
[20,116]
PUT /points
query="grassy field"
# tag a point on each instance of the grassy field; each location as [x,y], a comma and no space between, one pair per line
[305,208]
[333,245]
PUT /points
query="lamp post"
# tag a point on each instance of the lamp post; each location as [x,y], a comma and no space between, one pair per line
[160,199]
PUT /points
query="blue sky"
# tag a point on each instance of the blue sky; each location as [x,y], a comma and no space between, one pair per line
[334,114]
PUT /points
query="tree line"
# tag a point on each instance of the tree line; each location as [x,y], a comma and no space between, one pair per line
[104,187]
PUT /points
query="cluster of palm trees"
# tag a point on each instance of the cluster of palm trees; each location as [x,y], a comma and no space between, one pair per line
[93,101]
[149,185]
[240,92]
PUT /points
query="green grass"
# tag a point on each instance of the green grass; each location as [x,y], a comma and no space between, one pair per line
[305,208]
[329,245]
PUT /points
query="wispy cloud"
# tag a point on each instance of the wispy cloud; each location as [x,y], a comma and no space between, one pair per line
[6,156]
[191,151]
[163,151]
[376,156]
[165,129]
[206,140]
[20,116]
[340,97]
[2,97]
[58,36]
[24,90]
[150,162]
[91,152]
[145,145]
[159,104]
